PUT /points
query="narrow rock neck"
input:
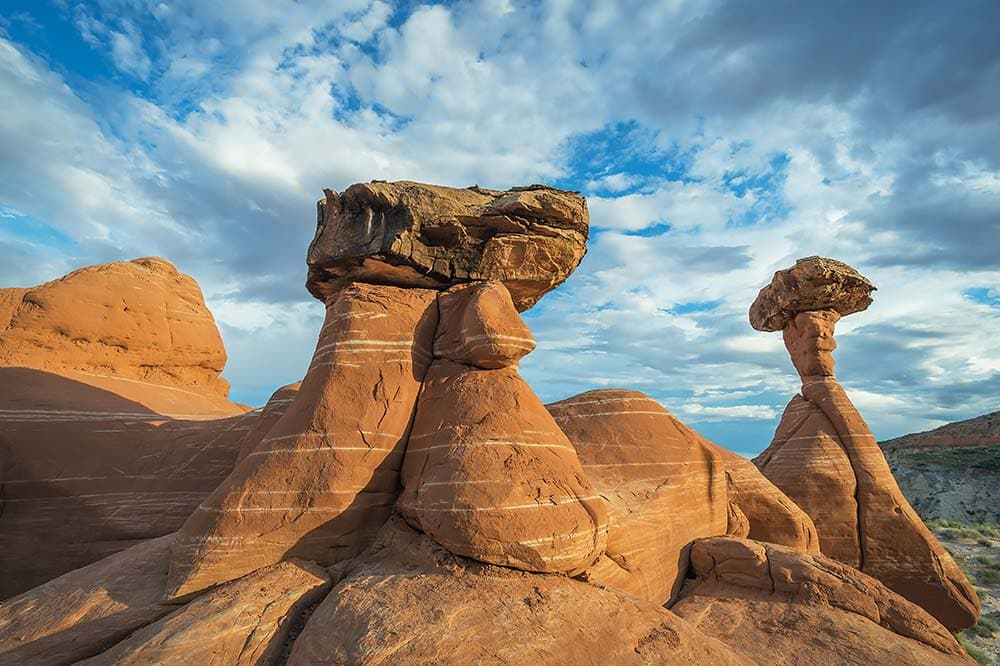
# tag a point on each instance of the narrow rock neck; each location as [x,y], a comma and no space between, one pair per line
[809,340]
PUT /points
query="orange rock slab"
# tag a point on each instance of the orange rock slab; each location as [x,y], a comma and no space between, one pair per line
[412,601]
[778,605]
[242,623]
[79,614]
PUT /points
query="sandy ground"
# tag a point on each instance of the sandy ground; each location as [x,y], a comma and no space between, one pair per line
[979,555]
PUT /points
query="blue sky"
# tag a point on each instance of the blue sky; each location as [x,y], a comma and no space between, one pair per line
[716,142]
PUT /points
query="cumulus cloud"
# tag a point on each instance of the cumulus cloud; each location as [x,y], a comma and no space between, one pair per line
[717,142]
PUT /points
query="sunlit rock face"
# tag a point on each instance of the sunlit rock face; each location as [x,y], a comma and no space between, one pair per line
[114,421]
[140,320]
[826,459]
[415,235]
[412,499]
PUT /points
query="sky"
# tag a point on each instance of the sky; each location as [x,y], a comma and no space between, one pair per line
[716,142]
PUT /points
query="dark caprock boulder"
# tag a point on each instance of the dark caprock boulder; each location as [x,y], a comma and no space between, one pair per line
[414,235]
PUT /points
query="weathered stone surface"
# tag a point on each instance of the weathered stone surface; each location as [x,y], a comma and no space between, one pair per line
[807,460]
[480,327]
[813,283]
[897,548]
[771,516]
[268,417]
[326,476]
[778,605]
[737,524]
[825,457]
[665,485]
[412,602]
[411,234]
[242,623]
[139,320]
[83,612]
[89,465]
[489,475]
[809,340]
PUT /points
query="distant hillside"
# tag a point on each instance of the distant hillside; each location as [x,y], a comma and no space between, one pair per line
[980,431]
[951,473]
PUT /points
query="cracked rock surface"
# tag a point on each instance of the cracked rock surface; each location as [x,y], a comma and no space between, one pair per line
[325,477]
[410,601]
[242,623]
[755,596]
[415,235]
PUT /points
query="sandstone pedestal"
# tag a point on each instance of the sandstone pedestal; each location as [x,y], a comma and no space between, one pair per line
[825,458]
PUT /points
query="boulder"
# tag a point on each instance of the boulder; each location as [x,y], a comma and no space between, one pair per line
[489,475]
[81,613]
[779,605]
[664,484]
[667,485]
[825,457]
[480,327]
[326,476]
[242,623]
[412,601]
[415,235]
[140,320]
[813,283]
[89,465]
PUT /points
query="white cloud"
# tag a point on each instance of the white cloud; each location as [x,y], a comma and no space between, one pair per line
[708,413]
[127,51]
[250,113]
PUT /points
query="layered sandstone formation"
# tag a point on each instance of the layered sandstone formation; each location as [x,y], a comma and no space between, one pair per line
[140,320]
[417,235]
[326,476]
[80,613]
[411,601]
[413,501]
[769,514]
[667,486]
[825,458]
[488,474]
[244,622]
[114,424]
[749,594]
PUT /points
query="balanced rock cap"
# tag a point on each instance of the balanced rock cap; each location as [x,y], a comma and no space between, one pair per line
[415,235]
[813,283]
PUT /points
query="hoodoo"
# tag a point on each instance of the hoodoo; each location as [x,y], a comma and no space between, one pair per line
[826,459]
[413,501]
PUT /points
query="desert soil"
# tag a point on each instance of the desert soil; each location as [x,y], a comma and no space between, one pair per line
[976,548]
